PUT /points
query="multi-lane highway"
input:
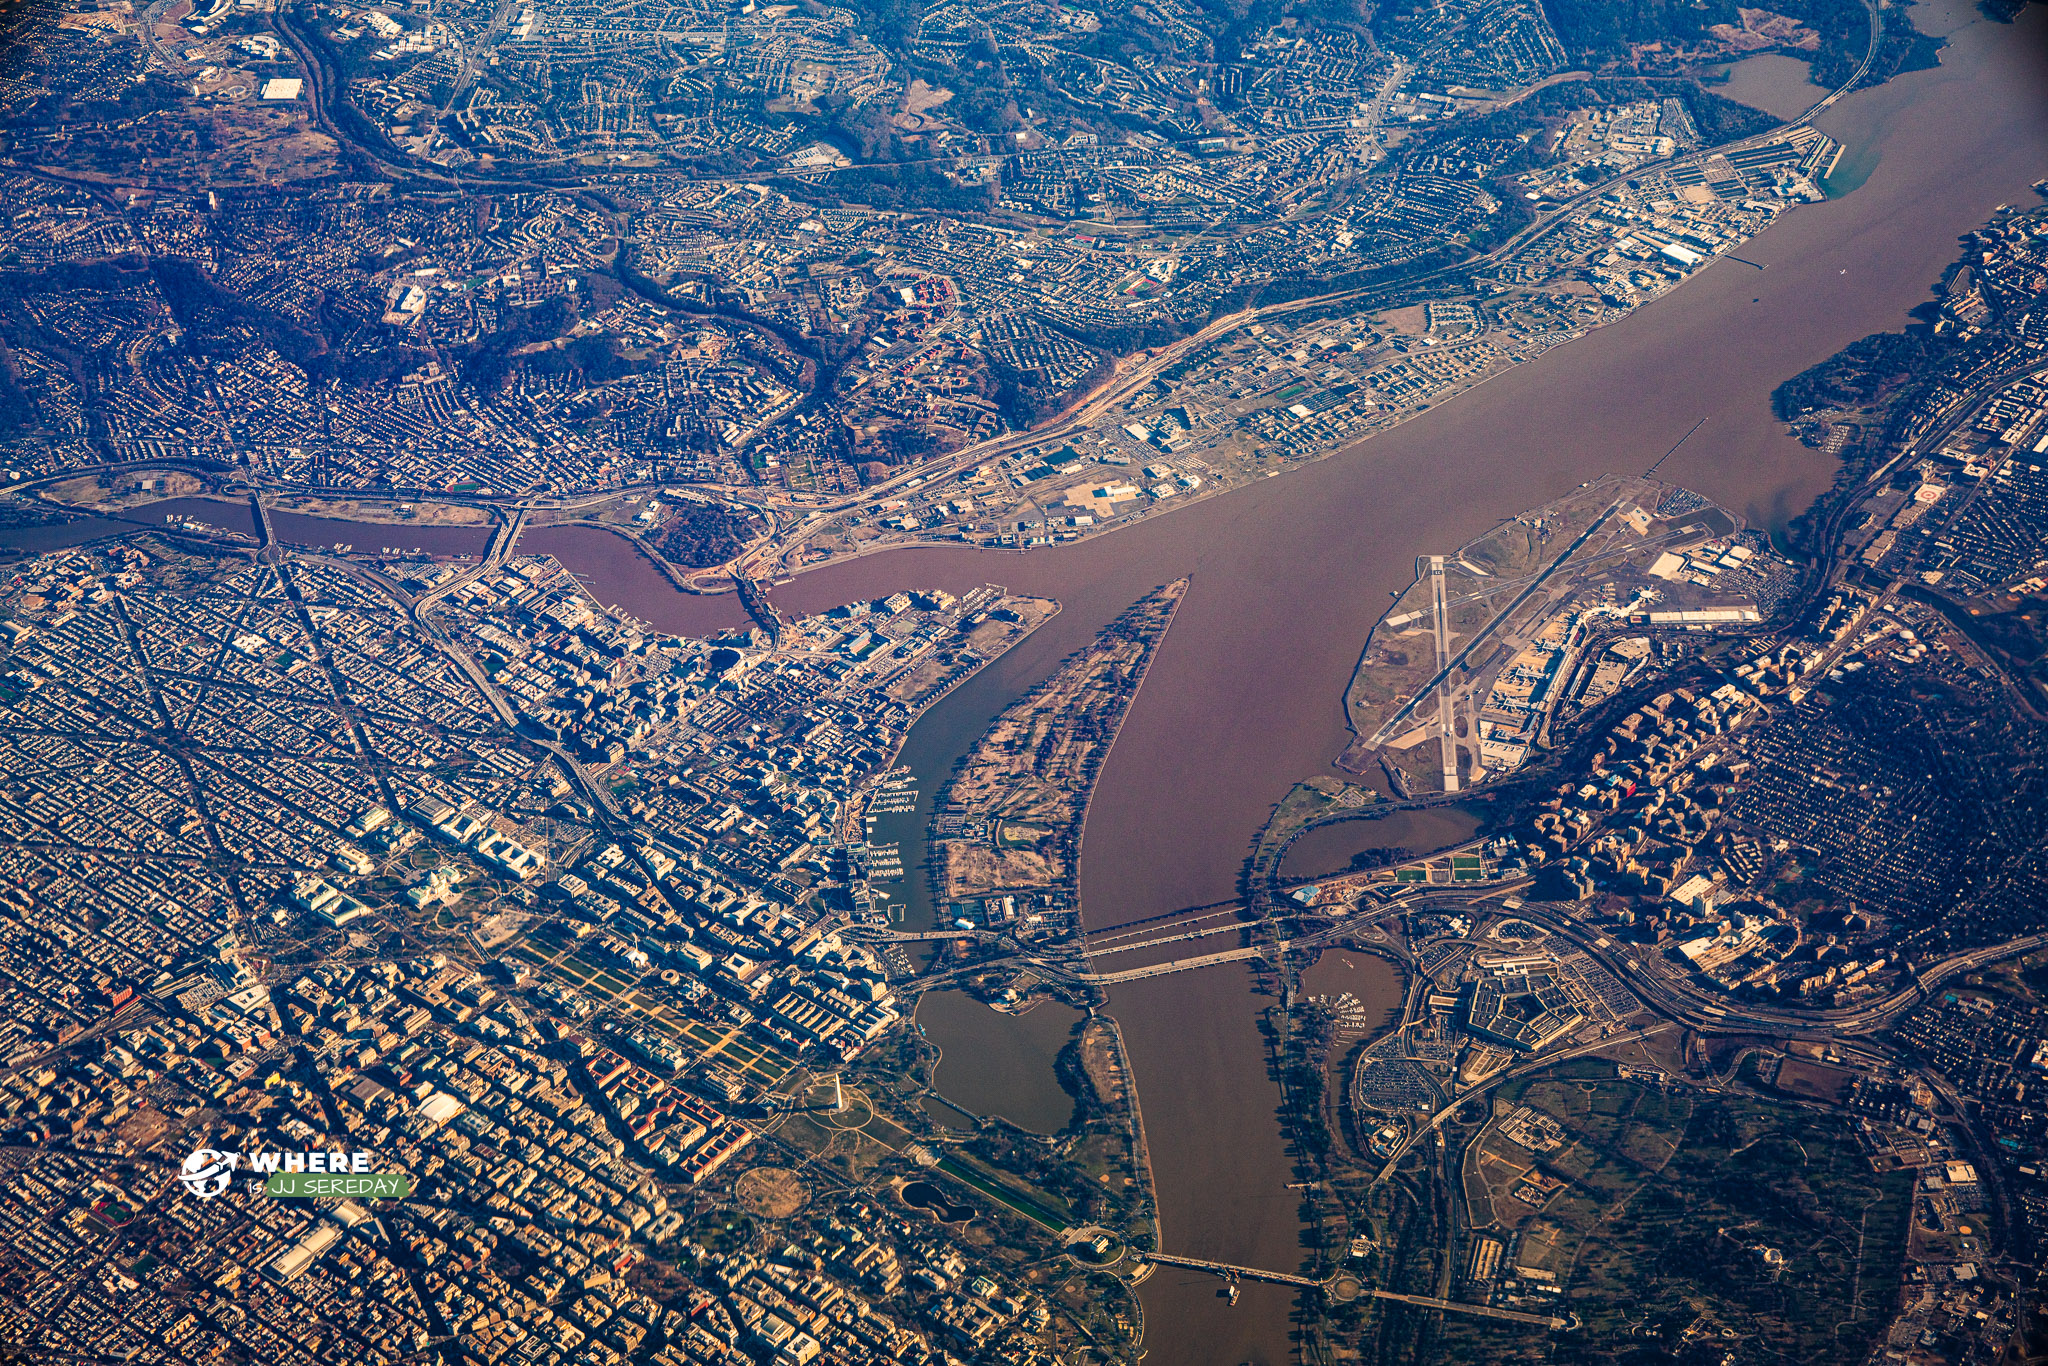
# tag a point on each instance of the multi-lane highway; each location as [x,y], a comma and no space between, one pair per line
[1670,994]
[773,554]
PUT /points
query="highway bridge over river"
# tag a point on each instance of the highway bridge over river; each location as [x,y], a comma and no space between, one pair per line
[1231,1272]
[1064,972]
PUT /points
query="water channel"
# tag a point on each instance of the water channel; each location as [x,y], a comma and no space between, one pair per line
[1329,849]
[1289,575]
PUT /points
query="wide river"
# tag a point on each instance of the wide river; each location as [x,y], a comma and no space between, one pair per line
[1244,697]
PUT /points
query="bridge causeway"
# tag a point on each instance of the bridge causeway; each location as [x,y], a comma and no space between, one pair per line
[1230,1271]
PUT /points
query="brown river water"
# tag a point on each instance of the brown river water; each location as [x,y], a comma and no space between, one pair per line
[1244,697]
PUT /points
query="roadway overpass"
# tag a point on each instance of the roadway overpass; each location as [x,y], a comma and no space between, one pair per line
[1673,996]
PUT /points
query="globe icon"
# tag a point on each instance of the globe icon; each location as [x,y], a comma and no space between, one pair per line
[207,1173]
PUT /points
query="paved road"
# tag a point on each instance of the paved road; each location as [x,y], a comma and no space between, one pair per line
[1483,1310]
[1541,1063]
[1679,999]
[499,551]
[1233,1272]
[771,555]
[1229,1271]
[1446,716]
[614,822]
[767,558]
